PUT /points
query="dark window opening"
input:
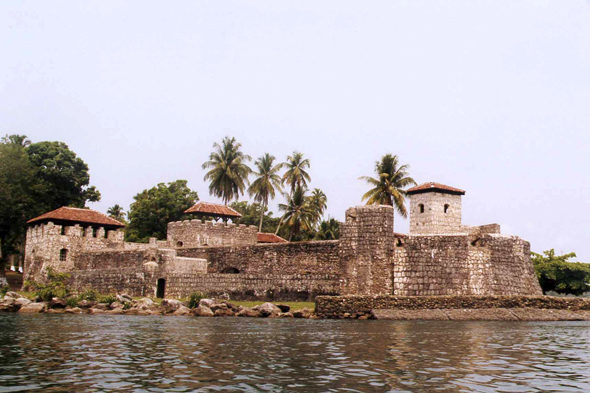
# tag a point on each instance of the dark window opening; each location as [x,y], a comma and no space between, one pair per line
[161,290]
[230,270]
[63,254]
[179,244]
[93,232]
[447,208]
[63,229]
[106,234]
[421,206]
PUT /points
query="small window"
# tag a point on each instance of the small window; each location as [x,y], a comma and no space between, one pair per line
[421,207]
[93,232]
[446,208]
[230,270]
[106,234]
[63,229]
[179,244]
[63,254]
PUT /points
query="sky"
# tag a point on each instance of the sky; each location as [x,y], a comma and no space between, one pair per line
[492,97]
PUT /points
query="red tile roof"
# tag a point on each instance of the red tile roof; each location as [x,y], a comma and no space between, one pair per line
[435,187]
[213,209]
[73,214]
[270,238]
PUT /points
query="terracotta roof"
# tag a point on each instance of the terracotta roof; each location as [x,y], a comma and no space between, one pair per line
[435,187]
[213,209]
[74,214]
[270,238]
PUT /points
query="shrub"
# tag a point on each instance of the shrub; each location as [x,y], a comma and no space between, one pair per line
[557,274]
[195,298]
[90,295]
[4,290]
[72,301]
[108,299]
[56,286]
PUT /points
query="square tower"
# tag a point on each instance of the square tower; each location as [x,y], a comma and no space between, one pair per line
[435,209]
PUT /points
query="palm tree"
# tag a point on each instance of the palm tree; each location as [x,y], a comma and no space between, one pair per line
[329,230]
[297,212]
[318,202]
[388,187]
[116,212]
[266,184]
[296,176]
[229,171]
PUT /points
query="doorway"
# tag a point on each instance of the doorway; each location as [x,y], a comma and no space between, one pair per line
[161,288]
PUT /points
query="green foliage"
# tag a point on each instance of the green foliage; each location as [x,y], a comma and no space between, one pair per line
[251,215]
[328,230]
[298,213]
[555,273]
[72,301]
[195,298]
[90,295]
[228,174]
[56,286]
[117,213]
[4,290]
[388,187]
[153,209]
[108,299]
[296,175]
[266,184]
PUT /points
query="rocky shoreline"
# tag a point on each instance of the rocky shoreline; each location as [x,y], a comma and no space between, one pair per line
[125,305]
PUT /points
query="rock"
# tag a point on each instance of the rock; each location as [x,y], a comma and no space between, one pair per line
[101,306]
[144,304]
[75,310]
[218,306]
[363,317]
[95,310]
[124,298]
[284,307]
[9,305]
[268,310]
[182,310]
[287,315]
[55,310]
[203,311]
[13,295]
[85,304]
[303,313]
[116,311]
[224,312]
[247,312]
[57,302]
[33,308]
[206,302]
[171,305]
[116,305]
[22,301]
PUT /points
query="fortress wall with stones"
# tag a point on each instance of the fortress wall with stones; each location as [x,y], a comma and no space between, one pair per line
[195,233]
[281,258]
[434,220]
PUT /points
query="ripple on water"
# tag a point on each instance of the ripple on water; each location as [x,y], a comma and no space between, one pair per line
[133,353]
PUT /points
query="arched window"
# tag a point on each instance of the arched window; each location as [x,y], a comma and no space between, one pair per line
[63,254]
[179,244]
[447,208]
[421,207]
[230,270]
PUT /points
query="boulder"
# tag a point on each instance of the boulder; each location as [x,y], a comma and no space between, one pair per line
[22,301]
[247,312]
[203,311]
[124,298]
[206,302]
[287,315]
[116,311]
[171,305]
[55,310]
[303,313]
[268,310]
[85,304]
[115,305]
[101,306]
[182,310]
[95,310]
[13,295]
[33,308]
[284,307]
[224,312]
[9,305]
[57,302]
[75,310]
[144,304]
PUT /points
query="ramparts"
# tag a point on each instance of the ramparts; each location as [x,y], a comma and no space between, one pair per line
[196,233]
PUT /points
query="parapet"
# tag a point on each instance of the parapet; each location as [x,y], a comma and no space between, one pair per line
[197,233]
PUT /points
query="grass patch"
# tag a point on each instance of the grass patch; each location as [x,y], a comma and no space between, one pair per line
[294,305]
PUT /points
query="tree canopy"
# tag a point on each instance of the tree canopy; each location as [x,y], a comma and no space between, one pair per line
[153,209]
[296,175]
[266,184]
[555,273]
[251,215]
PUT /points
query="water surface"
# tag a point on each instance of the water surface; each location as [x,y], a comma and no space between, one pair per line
[139,353]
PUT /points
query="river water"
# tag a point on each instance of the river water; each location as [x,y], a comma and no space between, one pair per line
[139,353]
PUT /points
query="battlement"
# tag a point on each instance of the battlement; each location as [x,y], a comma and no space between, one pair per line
[197,233]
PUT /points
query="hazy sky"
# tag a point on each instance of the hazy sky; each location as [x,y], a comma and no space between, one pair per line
[489,96]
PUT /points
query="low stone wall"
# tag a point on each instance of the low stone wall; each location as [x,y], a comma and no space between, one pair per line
[109,281]
[337,306]
[253,287]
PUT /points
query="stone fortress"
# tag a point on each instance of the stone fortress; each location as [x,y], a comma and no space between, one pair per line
[439,256]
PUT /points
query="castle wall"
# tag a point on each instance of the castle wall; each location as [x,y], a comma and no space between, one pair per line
[434,220]
[452,265]
[195,233]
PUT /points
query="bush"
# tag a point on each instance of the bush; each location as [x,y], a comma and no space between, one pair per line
[195,298]
[555,273]
[72,301]
[55,286]
[90,295]
[108,299]
[4,290]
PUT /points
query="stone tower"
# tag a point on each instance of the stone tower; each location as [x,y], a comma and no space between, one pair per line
[435,209]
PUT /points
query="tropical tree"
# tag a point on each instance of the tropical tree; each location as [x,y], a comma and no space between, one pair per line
[328,230]
[557,274]
[298,213]
[116,212]
[318,203]
[267,183]
[388,186]
[228,170]
[153,209]
[251,215]
[296,175]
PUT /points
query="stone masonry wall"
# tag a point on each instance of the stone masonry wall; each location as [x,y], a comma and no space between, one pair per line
[366,249]
[434,220]
[459,265]
[195,233]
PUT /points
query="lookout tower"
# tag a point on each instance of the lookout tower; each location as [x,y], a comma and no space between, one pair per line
[435,209]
